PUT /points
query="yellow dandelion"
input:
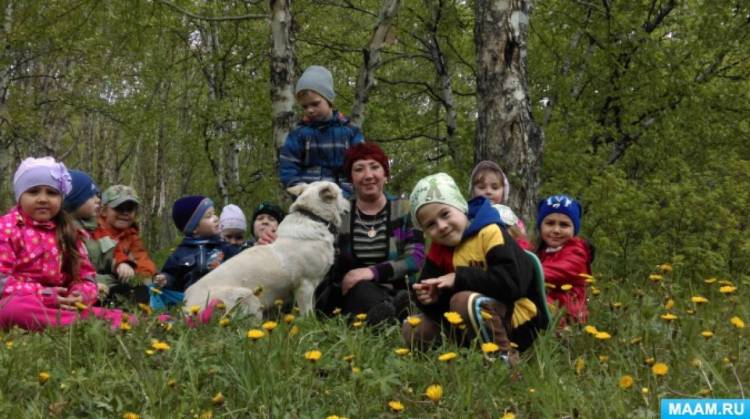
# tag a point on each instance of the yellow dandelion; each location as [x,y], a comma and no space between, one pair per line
[414,321]
[590,329]
[278,302]
[160,346]
[566,287]
[171,382]
[532,390]
[224,322]
[217,399]
[644,390]
[434,392]
[294,330]
[737,322]
[710,280]
[358,324]
[130,415]
[490,347]
[665,267]
[221,306]
[704,392]
[617,305]
[255,334]
[145,308]
[206,414]
[269,325]
[401,351]
[655,277]
[313,356]
[356,370]
[727,289]
[333,417]
[595,291]
[580,365]
[603,358]
[453,317]
[124,326]
[194,309]
[395,405]
[696,362]
[649,360]
[167,326]
[660,369]
[626,381]
[150,352]
[509,415]
[9,344]
[725,282]
[602,336]
[348,358]
[288,318]
[669,304]
[448,356]
[698,299]
[361,316]
[43,377]
[707,334]
[668,317]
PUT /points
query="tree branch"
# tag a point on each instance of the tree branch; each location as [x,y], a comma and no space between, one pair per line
[212,18]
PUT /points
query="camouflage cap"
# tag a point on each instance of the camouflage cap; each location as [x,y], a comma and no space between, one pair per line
[437,188]
[117,195]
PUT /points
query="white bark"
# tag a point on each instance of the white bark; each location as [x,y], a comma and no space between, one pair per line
[282,70]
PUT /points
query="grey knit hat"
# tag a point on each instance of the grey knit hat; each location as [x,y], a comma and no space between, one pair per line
[317,79]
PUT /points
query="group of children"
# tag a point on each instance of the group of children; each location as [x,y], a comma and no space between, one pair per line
[60,253]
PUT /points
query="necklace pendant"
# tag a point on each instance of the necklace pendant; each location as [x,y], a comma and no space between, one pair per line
[371,232]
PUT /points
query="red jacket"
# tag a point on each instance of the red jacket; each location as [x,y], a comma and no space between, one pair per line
[129,249]
[562,266]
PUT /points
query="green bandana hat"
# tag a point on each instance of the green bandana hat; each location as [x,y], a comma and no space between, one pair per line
[440,188]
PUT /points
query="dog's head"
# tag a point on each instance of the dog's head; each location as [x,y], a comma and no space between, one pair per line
[322,198]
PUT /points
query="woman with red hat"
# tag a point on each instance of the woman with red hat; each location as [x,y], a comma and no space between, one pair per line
[378,251]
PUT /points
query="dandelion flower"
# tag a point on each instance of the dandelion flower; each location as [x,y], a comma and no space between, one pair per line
[668,316]
[649,360]
[124,326]
[603,358]
[626,381]
[696,362]
[195,309]
[655,277]
[358,324]
[580,365]
[669,304]
[145,308]
[617,305]
[595,291]
[448,356]
[171,382]
[288,318]
[490,347]
[313,356]
[413,321]
[269,325]
[217,399]
[434,392]
[294,330]
[659,369]
[361,316]
[401,351]
[255,334]
[737,322]
[224,322]
[9,345]
[707,334]
[150,352]
[644,390]
[727,289]
[278,302]
[509,415]
[725,282]
[453,317]
[566,287]
[710,280]
[704,392]
[590,329]
[665,267]
[333,417]
[697,299]
[220,306]
[356,370]
[130,415]
[348,358]
[602,335]
[43,377]
[395,405]
[160,346]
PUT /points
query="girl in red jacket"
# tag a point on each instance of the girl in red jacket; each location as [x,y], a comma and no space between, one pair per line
[564,256]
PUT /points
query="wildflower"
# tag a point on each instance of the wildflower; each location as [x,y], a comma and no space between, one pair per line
[43,377]
[9,345]
[448,356]
[294,330]
[655,277]
[217,399]
[707,334]
[358,324]
[413,321]
[401,351]
[395,405]
[167,326]
[660,369]
[649,360]
[665,267]
[207,414]
[145,308]
[356,370]
[727,289]
[124,326]
[737,322]
[159,346]
[224,322]
[668,316]
[361,316]
[602,335]
[490,347]
[696,362]
[195,309]
[580,365]
[566,287]
[434,392]
[453,317]
[591,330]
[532,390]
[288,318]
[697,299]
[603,358]
[710,280]
[333,417]
[171,382]
[220,306]
[669,304]
[255,334]
[150,352]
[704,392]
[313,356]
[80,306]
[509,415]
[616,305]
[278,302]
[269,325]
[595,291]
[725,282]
[644,390]
[348,358]
[130,415]
[626,381]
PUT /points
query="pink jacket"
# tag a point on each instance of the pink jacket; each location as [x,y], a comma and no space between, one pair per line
[31,263]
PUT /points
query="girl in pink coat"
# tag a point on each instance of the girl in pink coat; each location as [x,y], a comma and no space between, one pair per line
[46,278]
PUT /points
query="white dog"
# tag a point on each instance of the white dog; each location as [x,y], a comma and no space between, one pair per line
[294,263]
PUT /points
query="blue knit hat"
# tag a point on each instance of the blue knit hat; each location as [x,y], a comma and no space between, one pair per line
[562,204]
[83,189]
[188,211]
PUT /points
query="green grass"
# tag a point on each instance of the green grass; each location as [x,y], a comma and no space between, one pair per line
[95,372]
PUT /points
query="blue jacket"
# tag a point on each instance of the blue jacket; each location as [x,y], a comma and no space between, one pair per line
[315,150]
[193,258]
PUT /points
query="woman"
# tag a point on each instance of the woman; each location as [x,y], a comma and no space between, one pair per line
[377,250]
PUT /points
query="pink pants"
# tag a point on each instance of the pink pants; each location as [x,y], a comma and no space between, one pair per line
[28,312]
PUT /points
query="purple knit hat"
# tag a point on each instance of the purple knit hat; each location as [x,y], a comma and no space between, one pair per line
[490,166]
[44,171]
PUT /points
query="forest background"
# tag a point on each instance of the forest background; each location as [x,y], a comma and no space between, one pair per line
[643,106]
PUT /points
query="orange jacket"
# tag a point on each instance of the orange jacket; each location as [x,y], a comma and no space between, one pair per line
[129,248]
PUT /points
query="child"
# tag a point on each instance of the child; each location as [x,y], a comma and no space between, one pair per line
[121,253]
[315,149]
[200,251]
[473,268]
[233,226]
[488,180]
[45,273]
[266,219]
[564,255]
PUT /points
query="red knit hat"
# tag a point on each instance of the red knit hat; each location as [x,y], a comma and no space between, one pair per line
[364,151]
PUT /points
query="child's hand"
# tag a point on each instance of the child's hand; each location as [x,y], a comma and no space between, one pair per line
[267,237]
[69,302]
[160,280]
[352,277]
[441,282]
[102,290]
[426,293]
[125,271]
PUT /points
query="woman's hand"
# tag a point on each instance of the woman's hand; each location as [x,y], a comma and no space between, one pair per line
[125,271]
[355,275]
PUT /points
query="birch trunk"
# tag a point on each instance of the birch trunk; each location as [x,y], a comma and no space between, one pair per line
[506,132]
[282,70]
[371,60]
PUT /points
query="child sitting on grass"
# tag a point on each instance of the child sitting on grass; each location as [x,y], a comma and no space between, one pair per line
[233,226]
[46,278]
[474,270]
[564,255]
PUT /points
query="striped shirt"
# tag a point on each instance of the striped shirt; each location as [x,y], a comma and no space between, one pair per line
[370,250]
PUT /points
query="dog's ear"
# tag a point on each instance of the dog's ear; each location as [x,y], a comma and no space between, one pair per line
[328,193]
[297,189]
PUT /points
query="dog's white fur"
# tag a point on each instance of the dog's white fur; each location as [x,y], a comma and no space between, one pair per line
[294,263]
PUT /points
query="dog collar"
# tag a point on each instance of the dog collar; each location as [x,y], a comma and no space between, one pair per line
[332,228]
